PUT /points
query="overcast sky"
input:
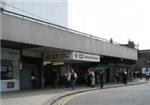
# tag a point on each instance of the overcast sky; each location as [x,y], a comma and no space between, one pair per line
[121,20]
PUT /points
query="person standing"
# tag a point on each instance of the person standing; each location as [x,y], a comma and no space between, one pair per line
[68,77]
[125,77]
[33,80]
[73,78]
[117,77]
[88,78]
[147,76]
[101,77]
[97,82]
[92,78]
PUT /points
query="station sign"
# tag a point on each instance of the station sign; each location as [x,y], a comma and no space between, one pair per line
[69,55]
[57,56]
[86,57]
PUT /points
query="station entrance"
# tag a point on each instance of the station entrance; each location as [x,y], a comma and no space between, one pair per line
[54,75]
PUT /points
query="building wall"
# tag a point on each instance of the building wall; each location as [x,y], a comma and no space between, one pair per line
[54,11]
[144,59]
[31,32]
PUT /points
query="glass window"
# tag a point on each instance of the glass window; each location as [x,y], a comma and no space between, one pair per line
[6,69]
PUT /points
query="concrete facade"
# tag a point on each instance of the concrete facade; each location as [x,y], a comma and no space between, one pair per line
[20,29]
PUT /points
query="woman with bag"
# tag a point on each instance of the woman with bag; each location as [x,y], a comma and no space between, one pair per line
[73,78]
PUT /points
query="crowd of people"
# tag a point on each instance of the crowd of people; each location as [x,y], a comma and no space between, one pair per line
[124,76]
[94,77]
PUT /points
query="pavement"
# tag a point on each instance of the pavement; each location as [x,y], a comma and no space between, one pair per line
[49,96]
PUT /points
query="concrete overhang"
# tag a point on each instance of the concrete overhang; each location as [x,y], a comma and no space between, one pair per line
[20,29]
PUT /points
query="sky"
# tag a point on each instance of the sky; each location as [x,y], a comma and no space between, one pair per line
[121,20]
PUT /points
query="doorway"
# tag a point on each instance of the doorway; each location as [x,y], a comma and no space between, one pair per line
[30,66]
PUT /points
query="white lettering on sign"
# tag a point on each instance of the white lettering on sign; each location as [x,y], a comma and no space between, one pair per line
[86,57]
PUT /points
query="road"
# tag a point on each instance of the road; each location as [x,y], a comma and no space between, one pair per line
[129,95]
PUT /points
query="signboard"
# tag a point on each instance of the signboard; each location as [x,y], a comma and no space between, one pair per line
[86,57]
[57,56]
[146,70]
[9,85]
[67,55]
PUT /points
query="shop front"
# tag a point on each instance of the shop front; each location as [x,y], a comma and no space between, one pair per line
[9,80]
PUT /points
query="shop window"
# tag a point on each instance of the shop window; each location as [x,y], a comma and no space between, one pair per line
[6,69]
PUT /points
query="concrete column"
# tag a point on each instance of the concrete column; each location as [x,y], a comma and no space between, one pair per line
[42,68]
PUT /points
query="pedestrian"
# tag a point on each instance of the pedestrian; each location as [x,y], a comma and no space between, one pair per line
[125,77]
[97,82]
[73,78]
[88,78]
[33,79]
[117,77]
[92,77]
[147,76]
[67,77]
[101,78]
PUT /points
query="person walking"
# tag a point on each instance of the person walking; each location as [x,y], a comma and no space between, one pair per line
[73,78]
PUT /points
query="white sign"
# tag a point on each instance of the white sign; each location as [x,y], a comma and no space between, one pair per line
[86,57]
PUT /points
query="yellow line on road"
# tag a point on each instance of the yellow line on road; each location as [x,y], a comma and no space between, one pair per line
[68,98]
